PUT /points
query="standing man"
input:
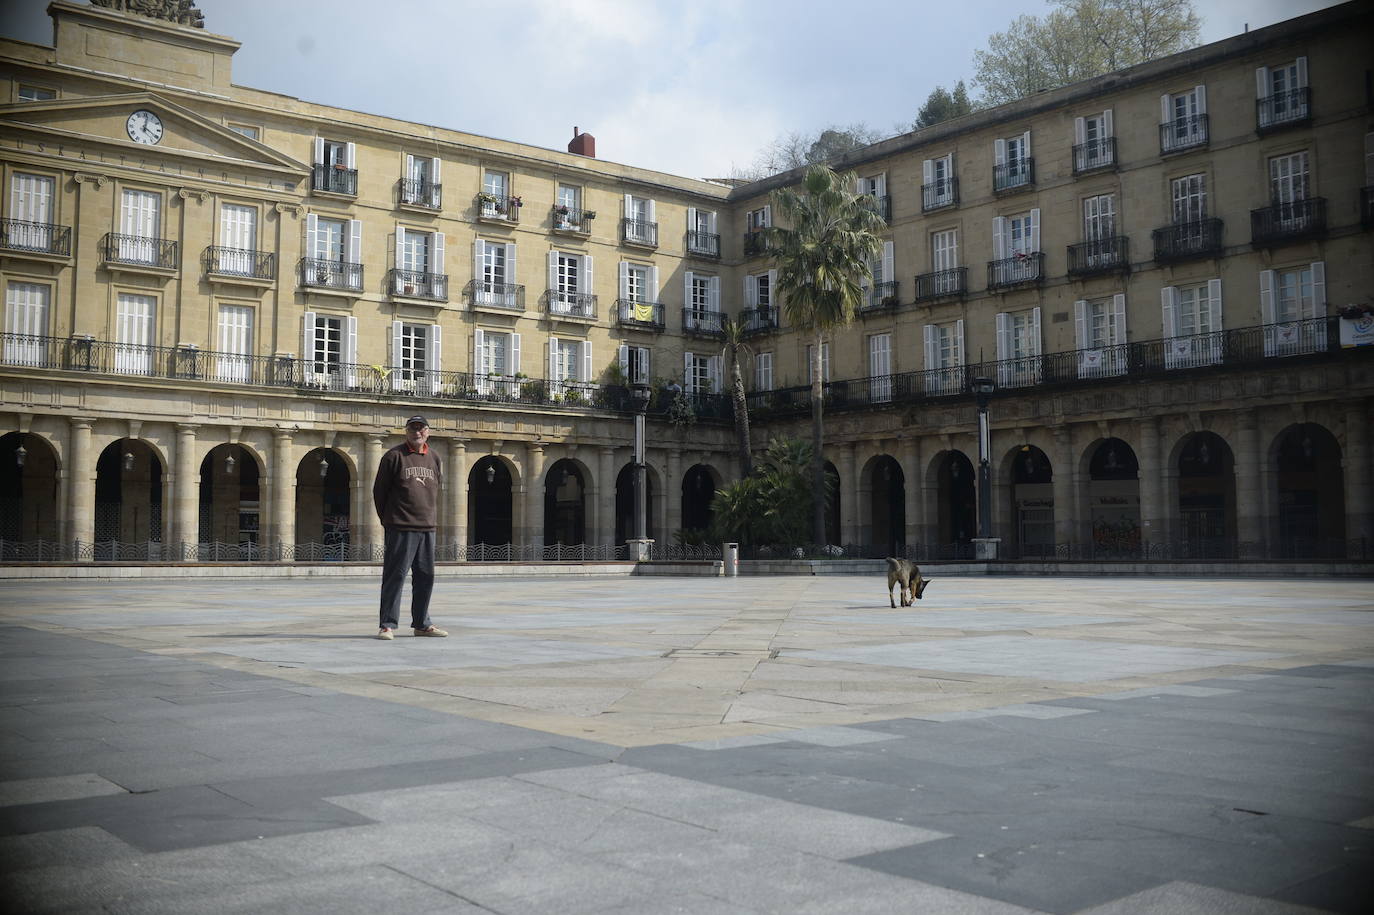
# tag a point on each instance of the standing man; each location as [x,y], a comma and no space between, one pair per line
[406,493]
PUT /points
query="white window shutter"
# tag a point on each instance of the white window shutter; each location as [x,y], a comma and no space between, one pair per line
[767,214]
[1318,290]
[882,185]
[400,248]
[928,172]
[932,354]
[1119,318]
[588,373]
[711,222]
[514,353]
[999,152]
[691,219]
[959,342]
[1267,296]
[687,373]
[436,350]
[437,247]
[1025,144]
[553,273]
[1080,132]
[1107,123]
[1214,302]
[1302,72]
[308,336]
[1166,113]
[625,362]
[312,234]
[396,327]
[355,241]
[887,262]
[1035,328]
[624,280]
[478,274]
[478,352]
[350,353]
[1168,304]
[1261,82]
[1080,324]
[319,150]
[350,155]
[511,275]
[1003,335]
[858,185]
[687,288]
[410,166]
[652,218]
[751,291]
[653,283]
[553,359]
[1035,230]
[586,287]
[713,291]
[434,170]
[713,369]
[999,237]
[1201,99]
[629,206]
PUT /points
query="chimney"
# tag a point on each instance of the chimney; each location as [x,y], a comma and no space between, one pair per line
[582,144]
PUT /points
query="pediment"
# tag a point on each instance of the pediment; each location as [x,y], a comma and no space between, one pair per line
[101,121]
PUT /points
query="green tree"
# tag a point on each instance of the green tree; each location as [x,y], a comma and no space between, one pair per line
[824,249]
[943,105]
[733,348]
[772,505]
[794,150]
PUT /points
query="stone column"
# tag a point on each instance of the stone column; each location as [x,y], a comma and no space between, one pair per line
[672,496]
[914,506]
[532,496]
[849,495]
[283,493]
[604,532]
[186,493]
[1066,521]
[456,479]
[1249,509]
[1356,466]
[80,477]
[1154,525]
[369,526]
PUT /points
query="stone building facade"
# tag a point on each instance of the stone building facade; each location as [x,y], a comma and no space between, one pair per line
[221,304]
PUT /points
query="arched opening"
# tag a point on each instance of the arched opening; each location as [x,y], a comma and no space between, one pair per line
[958,503]
[625,505]
[490,505]
[565,505]
[698,489]
[323,517]
[1311,487]
[230,502]
[1114,499]
[832,505]
[887,507]
[1207,497]
[1032,495]
[28,496]
[128,500]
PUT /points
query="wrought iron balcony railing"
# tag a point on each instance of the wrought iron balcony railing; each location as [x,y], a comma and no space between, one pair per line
[754,245]
[941,283]
[506,296]
[35,237]
[571,219]
[330,274]
[498,207]
[1183,133]
[1285,222]
[639,232]
[705,244]
[418,284]
[939,194]
[760,319]
[1186,240]
[702,321]
[1094,154]
[882,205]
[572,304]
[135,250]
[1013,176]
[1102,255]
[240,262]
[1017,270]
[1283,109]
[642,315]
[880,296]
[334,179]
[420,192]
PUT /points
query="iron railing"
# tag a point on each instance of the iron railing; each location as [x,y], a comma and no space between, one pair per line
[1014,175]
[418,284]
[754,245]
[1102,255]
[240,262]
[1017,270]
[703,322]
[882,205]
[420,192]
[138,251]
[1183,133]
[939,194]
[1185,240]
[760,319]
[1094,154]
[639,232]
[334,179]
[879,296]
[572,304]
[497,206]
[506,296]
[1283,109]
[643,315]
[331,274]
[35,237]
[571,219]
[1284,222]
[941,283]
[706,244]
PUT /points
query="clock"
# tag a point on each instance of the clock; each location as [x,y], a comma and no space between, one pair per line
[144,127]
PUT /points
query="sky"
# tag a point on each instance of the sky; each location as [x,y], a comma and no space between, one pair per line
[690,87]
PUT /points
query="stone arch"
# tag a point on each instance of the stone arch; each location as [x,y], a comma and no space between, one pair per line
[29,475]
[232,477]
[886,485]
[323,505]
[1111,475]
[129,477]
[1309,480]
[492,483]
[624,503]
[1206,492]
[566,483]
[1029,475]
[954,480]
[699,485]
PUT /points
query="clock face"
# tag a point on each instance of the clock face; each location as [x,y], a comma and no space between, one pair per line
[144,127]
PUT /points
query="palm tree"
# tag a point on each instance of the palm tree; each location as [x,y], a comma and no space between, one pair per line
[730,352]
[824,252]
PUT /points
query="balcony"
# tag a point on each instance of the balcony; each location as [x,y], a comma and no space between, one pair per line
[254,267]
[35,238]
[1094,155]
[571,220]
[703,244]
[330,275]
[503,297]
[497,208]
[1102,255]
[1187,240]
[759,320]
[639,232]
[1292,108]
[334,179]
[634,315]
[701,322]
[879,296]
[1017,270]
[1286,222]
[1013,176]
[420,192]
[1367,207]
[754,244]
[941,284]
[939,195]
[572,306]
[418,285]
[136,251]
[1182,134]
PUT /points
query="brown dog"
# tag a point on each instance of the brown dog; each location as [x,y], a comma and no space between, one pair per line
[907,574]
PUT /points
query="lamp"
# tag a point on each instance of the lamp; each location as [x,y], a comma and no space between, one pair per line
[128,461]
[982,392]
[324,467]
[21,453]
[229,464]
[491,474]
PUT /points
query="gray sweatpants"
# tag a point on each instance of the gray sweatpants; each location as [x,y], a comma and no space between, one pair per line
[413,550]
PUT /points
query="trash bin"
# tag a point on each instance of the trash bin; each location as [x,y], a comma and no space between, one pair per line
[730,552]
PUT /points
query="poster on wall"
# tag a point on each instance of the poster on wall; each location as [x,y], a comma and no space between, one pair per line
[1358,330]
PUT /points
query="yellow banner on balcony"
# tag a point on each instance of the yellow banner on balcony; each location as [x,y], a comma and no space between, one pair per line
[644,312]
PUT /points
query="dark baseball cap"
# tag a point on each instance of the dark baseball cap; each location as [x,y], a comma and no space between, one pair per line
[416,421]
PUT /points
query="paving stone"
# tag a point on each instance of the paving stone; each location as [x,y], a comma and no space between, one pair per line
[55,788]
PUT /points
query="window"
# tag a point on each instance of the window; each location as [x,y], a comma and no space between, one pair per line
[496,361]
[570,284]
[1292,304]
[880,367]
[238,239]
[36,94]
[494,274]
[334,248]
[1101,336]
[937,188]
[415,356]
[701,232]
[31,208]
[335,167]
[882,290]
[570,365]
[1189,195]
[944,354]
[234,347]
[763,372]
[1093,143]
[875,186]
[134,334]
[1018,348]
[331,240]
[701,302]
[421,186]
[1099,217]
[634,364]
[495,199]
[567,210]
[140,225]
[26,323]
[325,345]
[1013,166]
[945,277]
[761,218]
[1183,119]
[811,365]
[1281,93]
[1192,324]
[1016,247]
[1023,233]
[701,373]
[420,264]
[244,130]
[640,227]
[639,282]
[1289,189]
[758,290]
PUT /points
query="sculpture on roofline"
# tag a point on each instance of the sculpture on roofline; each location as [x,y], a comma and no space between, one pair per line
[182,12]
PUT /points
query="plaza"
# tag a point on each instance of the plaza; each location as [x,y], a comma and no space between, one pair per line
[703,745]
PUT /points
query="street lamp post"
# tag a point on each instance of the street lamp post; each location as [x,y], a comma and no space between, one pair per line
[639,544]
[984,545]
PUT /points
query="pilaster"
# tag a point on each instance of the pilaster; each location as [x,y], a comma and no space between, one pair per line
[80,479]
[186,493]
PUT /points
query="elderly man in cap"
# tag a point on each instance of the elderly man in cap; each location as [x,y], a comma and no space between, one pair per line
[406,493]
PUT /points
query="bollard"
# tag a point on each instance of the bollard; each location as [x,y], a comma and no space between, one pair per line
[730,553]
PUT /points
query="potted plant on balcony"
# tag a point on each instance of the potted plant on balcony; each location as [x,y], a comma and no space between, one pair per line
[589,214]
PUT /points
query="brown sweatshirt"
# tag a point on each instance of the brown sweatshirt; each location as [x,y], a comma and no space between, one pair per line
[406,491]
